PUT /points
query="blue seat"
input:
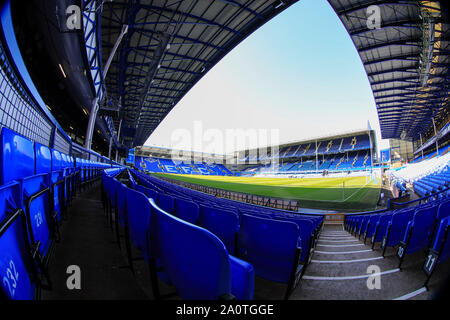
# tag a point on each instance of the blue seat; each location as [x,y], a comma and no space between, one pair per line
[306,229]
[166,202]
[43,158]
[363,226]
[223,223]
[371,226]
[17,268]
[147,191]
[187,210]
[396,228]
[17,157]
[35,203]
[273,248]
[418,233]
[440,248]
[197,262]
[381,227]
[138,220]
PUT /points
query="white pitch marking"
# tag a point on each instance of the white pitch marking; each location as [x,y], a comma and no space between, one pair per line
[342,245]
[346,261]
[342,252]
[412,294]
[351,277]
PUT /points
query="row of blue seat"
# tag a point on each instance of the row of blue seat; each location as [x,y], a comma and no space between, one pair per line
[37,184]
[410,229]
[186,256]
[227,221]
[433,182]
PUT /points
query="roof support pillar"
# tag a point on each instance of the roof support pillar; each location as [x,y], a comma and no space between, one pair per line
[96,102]
[435,134]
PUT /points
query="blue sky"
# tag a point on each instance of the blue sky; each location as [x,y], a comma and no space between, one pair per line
[299,74]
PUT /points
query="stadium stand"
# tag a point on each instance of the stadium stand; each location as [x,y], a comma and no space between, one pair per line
[420,224]
[201,245]
[36,184]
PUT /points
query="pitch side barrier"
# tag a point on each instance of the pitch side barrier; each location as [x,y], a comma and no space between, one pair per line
[272,202]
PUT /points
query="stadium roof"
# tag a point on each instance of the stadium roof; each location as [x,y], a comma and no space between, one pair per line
[171,44]
[406,58]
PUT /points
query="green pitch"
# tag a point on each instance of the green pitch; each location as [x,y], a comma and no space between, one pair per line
[350,193]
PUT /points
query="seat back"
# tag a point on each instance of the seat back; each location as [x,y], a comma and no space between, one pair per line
[43,158]
[223,223]
[152,194]
[166,203]
[187,210]
[269,245]
[17,156]
[16,266]
[37,209]
[399,223]
[439,245]
[121,194]
[138,215]
[306,231]
[422,229]
[371,225]
[443,210]
[382,226]
[194,259]
[56,161]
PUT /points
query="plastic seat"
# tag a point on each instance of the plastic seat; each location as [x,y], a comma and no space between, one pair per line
[440,248]
[381,228]
[396,228]
[35,203]
[187,210]
[370,227]
[197,262]
[17,268]
[166,202]
[147,191]
[17,157]
[138,219]
[273,248]
[223,223]
[418,232]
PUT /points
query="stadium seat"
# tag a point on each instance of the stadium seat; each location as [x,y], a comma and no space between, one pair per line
[380,228]
[197,262]
[18,269]
[439,250]
[396,228]
[35,202]
[370,227]
[276,260]
[187,210]
[223,223]
[166,203]
[138,214]
[419,232]
[150,193]
[17,157]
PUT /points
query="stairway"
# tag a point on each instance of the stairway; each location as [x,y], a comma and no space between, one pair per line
[341,266]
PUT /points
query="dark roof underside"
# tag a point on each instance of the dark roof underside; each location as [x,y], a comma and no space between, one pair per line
[171,44]
[406,59]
